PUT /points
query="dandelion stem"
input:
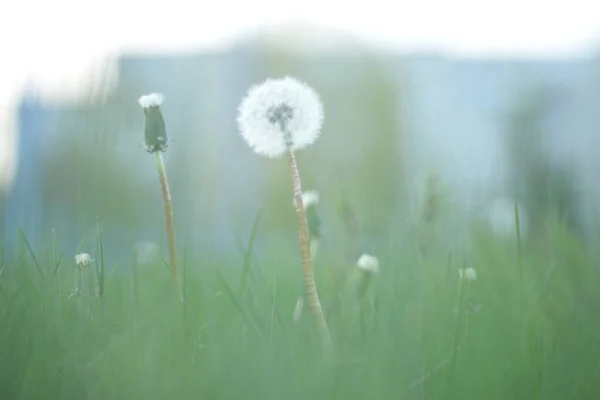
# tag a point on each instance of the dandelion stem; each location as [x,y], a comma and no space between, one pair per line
[310,285]
[169,224]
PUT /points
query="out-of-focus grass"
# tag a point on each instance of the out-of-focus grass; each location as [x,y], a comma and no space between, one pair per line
[237,338]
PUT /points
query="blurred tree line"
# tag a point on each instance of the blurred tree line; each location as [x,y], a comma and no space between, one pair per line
[544,185]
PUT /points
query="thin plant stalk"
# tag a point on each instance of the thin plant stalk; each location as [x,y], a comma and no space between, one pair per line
[461,327]
[519,250]
[169,223]
[310,285]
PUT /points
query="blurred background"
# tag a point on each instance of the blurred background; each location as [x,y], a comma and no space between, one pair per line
[469,103]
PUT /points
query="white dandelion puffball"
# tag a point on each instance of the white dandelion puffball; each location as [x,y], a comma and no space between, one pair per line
[280,115]
[468,274]
[368,263]
[151,100]
[82,259]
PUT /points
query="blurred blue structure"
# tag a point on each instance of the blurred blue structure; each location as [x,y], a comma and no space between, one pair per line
[23,203]
[454,111]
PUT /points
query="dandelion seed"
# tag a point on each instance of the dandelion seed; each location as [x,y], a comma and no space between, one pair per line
[280,115]
[368,264]
[468,274]
[309,198]
[314,247]
[146,252]
[82,259]
[298,309]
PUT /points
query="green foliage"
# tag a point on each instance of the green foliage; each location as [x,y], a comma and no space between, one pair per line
[543,186]
[238,338]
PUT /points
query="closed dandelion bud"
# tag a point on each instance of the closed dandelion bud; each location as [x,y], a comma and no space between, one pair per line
[155,133]
[155,136]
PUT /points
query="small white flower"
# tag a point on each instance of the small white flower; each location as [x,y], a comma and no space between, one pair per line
[309,198]
[468,274]
[83,259]
[368,263]
[280,115]
[298,309]
[151,100]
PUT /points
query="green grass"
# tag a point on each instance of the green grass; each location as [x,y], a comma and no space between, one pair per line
[530,326]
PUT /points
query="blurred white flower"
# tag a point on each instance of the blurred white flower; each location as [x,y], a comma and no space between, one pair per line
[82,259]
[468,274]
[501,218]
[368,263]
[309,198]
[280,115]
[298,309]
[151,100]
[146,252]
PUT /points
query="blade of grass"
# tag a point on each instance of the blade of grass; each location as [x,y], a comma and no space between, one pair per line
[273,307]
[249,250]
[166,264]
[101,270]
[56,258]
[519,249]
[31,253]
[238,305]
[184,303]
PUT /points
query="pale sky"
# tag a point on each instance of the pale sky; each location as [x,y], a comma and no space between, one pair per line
[54,41]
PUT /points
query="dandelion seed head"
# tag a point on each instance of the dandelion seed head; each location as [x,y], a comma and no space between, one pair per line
[151,100]
[280,115]
[368,263]
[82,259]
[468,274]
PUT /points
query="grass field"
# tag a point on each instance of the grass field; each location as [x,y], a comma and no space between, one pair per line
[527,328]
